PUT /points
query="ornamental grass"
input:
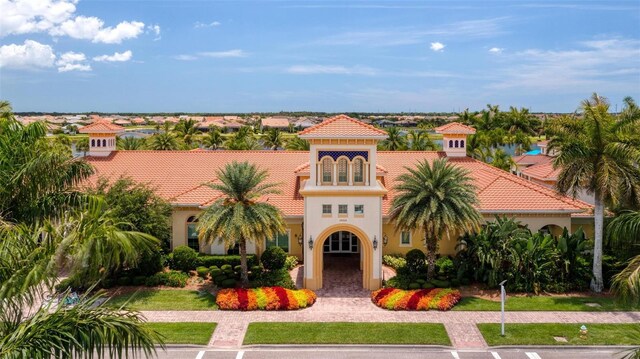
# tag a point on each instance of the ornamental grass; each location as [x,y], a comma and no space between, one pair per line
[265,298]
[420,299]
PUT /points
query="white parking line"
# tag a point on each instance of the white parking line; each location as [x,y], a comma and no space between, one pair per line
[533,355]
[455,355]
[200,354]
[240,355]
[495,355]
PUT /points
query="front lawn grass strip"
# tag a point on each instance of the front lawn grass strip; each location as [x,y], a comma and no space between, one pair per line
[544,333]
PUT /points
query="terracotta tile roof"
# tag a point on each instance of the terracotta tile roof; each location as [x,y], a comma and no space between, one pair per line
[543,143]
[455,128]
[342,126]
[531,159]
[543,171]
[101,126]
[305,168]
[280,122]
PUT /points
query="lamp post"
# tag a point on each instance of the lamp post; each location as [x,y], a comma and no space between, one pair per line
[503,297]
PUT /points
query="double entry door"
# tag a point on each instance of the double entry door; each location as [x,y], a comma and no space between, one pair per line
[342,242]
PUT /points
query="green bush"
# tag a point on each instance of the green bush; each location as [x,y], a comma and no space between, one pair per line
[394,261]
[228,283]
[123,281]
[226,267]
[291,262]
[207,260]
[185,258]
[170,279]
[69,283]
[237,268]
[416,262]
[138,280]
[445,267]
[214,271]
[273,258]
[441,283]
[202,272]
[275,278]
[427,286]
[414,285]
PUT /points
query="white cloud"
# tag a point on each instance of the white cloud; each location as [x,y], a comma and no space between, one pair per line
[496,50]
[185,57]
[72,61]
[31,54]
[116,57]
[200,25]
[57,18]
[22,17]
[437,46]
[222,54]
[330,70]
[156,30]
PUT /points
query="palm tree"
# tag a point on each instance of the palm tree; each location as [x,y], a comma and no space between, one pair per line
[163,142]
[240,215]
[501,160]
[625,229]
[213,139]
[439,199]
[298,144]
[467,117]
[518,120]
[273,139]
[187,130]
[130,143]
[39,178]
[595,156]
[420,141]
[394,141]
[242,140]
[31,330]
[82,145]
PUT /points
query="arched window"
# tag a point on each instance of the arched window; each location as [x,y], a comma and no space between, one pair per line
[450,143]
[93,143]
[462,143]
[343,164]
[456,144]
[192,233]
[104,143]
[98,143]
[327,170]
[358,170]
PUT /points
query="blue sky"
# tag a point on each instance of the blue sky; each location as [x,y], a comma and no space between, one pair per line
[334,56]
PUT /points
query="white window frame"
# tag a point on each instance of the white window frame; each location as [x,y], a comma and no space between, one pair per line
[410,244]
[355,211]
[340,213]
[330,209]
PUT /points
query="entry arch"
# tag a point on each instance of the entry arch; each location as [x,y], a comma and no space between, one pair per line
[368,282]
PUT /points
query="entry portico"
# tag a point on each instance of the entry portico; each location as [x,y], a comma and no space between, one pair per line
[343,194]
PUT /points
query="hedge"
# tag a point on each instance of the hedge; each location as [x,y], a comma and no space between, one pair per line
[206,260]
[265,298]
[421,299]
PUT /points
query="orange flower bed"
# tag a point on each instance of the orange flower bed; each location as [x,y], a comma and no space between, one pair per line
[420,299]
[264,298]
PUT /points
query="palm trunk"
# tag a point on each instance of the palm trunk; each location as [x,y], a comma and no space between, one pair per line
[432,245]
[597,282]
[244,276]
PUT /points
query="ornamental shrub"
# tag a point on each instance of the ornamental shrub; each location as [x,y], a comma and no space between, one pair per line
[275,278]
[445,267]
[419,299]
[273,258]
[202,272]
[416,262]
[207,260]
[264,298]
[170,279]
[394,261]
[291,262]
[184,258]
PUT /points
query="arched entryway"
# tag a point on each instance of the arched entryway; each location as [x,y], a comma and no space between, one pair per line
[342,240]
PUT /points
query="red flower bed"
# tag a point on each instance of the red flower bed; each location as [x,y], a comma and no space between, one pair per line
[420,299]
[264,298]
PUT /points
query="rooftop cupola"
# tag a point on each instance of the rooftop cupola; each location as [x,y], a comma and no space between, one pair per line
[454,138]
[343,152]
[102,137]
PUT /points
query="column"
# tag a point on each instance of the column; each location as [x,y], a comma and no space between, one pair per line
[350,173]
[334,175]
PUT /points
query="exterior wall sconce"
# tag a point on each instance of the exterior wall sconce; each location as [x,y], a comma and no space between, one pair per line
[310,242]
[385,239]
[299,239]
[375,243]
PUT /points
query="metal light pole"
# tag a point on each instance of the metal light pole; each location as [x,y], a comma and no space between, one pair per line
[503,297]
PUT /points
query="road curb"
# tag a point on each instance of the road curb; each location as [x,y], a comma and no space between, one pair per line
[563,347]
[346,346]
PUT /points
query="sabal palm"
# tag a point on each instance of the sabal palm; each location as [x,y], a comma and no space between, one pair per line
[298,144]
[395,141]
[596,156]
[241,214]
[213,139]
[38,176]
[28,270]
[273,139]
[130,143]
[438,199]
[163,142]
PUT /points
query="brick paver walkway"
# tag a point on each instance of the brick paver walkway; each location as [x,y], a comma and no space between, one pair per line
[343,301]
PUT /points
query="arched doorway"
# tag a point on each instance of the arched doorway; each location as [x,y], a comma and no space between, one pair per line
[341,262]
[343,244]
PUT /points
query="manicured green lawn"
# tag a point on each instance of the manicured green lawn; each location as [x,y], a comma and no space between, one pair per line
[165,299]
[184,333]
[546,303]
[542,334]
[346,333]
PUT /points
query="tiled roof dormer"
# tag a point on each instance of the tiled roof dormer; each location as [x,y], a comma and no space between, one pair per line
[343,126]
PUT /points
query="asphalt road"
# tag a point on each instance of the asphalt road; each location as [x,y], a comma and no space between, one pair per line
[386,353]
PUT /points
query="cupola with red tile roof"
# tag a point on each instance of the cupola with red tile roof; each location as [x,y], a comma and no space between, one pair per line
[102,137]
[454,138]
